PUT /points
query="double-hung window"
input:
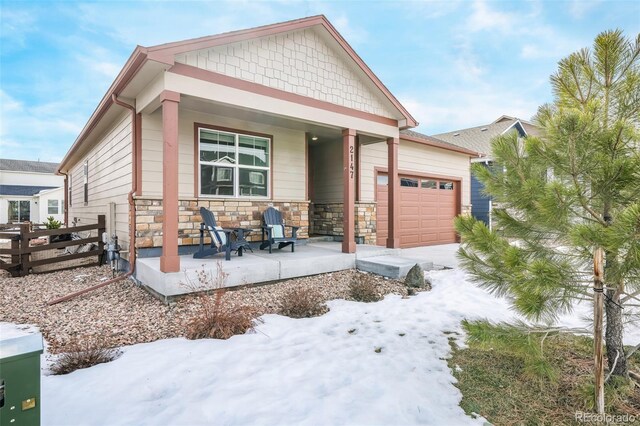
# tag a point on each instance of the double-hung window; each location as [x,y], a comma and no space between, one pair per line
[53,207]
[233,164]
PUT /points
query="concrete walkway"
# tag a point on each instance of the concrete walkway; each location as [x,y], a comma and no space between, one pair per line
[308,259]
[444,254]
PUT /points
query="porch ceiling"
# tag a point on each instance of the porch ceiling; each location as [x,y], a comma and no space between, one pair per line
[322,132]
[209,107]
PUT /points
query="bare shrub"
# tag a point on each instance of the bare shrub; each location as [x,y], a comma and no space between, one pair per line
[217,317]
[300,302]
[83,354]
[363,288]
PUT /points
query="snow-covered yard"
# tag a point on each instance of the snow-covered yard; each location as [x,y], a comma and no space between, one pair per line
[380,363]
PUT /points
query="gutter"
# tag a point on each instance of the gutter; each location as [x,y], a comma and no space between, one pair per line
[136,140]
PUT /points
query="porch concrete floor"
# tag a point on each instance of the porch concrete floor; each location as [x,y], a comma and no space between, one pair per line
[260,266]
[251,268]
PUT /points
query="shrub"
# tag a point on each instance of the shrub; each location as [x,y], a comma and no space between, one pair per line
[83,354]
[217,317]
[300,302]
[363,288]
[51,223]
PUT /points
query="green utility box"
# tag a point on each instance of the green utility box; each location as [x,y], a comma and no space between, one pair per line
[20,380]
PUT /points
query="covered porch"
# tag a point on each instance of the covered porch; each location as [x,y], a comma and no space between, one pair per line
[167,203]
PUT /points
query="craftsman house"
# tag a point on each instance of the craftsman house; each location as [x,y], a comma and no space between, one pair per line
[284,115]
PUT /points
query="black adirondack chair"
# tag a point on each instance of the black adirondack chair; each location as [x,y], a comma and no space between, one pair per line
[273,231]
[222,240]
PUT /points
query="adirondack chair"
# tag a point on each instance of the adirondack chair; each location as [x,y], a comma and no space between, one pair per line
[273,231]
[222,240]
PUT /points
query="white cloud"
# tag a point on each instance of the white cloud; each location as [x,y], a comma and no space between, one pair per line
[579,8]
[448,110]
[34,132]
[354,35]
[485,18]
[16,25]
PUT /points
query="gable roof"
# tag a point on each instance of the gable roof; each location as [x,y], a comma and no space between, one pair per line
[23,190]
[27,166]
[479,138]
[164,55]
[166,52]
[413,136]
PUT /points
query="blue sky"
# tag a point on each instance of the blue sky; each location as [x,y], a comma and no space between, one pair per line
[453,64]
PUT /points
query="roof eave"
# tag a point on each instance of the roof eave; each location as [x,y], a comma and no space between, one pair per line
[166,52]
[132,66]
[436,144]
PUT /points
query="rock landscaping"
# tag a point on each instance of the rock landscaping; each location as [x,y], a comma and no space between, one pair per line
[124,313]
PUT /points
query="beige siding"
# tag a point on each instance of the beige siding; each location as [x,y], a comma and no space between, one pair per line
[327,172]
[299,62]
[417,158]
[288,150]
[109,180]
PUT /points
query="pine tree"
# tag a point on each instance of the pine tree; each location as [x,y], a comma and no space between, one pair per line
[564,194]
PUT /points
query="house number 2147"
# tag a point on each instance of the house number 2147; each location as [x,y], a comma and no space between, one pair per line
[351,166]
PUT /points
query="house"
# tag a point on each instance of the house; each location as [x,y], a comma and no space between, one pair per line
[479,139]
[30,191]
[284,115]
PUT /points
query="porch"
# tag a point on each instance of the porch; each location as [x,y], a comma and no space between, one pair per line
[312,258]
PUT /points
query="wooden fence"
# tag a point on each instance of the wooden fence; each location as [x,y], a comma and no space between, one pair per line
[21,250]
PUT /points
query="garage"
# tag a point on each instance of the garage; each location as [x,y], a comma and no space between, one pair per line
[427,208]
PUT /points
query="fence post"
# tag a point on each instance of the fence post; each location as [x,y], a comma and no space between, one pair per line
[101,230]
[24,244]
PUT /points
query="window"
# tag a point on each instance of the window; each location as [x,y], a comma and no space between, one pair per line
[53,207]
[86,182]
[413,183]
[19,211]
[383,180]
[233,164]
[446,185]
[429,184]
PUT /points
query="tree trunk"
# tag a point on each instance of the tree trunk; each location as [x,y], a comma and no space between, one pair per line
[613,335]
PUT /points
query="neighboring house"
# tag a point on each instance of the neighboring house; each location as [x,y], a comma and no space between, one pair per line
[479,139]
[284,115]
[30,191]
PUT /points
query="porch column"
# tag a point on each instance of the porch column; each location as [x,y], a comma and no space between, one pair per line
[348,177]
[393,240]
[170,261]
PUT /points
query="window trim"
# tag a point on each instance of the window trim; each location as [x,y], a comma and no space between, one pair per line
[57,206]
[86,183]
[237,133]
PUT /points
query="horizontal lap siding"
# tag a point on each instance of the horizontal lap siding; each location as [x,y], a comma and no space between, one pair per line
[109,180]
[416,158]
[288,152]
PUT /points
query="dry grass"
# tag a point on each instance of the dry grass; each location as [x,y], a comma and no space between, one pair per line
[216,317]
[494,385]
[83,353]
[300,302]
[220,320]
[363,288]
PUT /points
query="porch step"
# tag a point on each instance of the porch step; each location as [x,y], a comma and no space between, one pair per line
[395,267]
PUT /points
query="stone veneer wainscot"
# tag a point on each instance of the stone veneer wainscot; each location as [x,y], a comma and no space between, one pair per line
[326,219]
[229,213]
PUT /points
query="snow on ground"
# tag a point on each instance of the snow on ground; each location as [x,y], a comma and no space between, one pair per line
[380,363]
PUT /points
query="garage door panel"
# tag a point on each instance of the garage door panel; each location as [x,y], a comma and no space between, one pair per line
[425,214]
